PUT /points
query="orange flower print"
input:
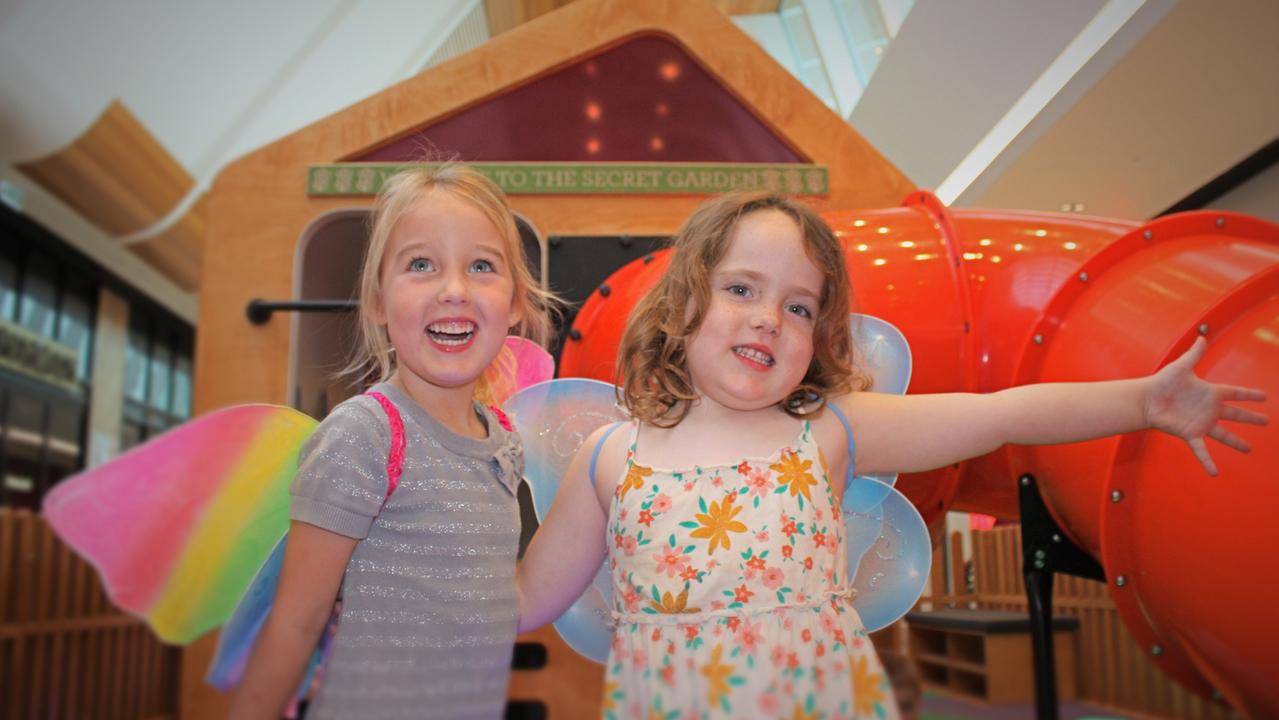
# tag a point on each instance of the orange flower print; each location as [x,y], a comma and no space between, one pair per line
[799,714]
[609,689]
[742,594]
[718,522]
[634,480]
[674,605]
[716,674]
[645,518]
[670,561]
[867,687]
[794,472]
[749,637]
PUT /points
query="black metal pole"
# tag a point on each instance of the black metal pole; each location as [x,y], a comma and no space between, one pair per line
[1039,593]
[259,311]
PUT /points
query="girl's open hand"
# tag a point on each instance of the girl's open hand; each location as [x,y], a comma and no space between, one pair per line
[1182,404]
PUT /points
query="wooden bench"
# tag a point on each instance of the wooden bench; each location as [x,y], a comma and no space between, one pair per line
[986,654]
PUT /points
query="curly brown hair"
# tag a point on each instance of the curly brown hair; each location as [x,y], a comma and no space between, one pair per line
[654,380]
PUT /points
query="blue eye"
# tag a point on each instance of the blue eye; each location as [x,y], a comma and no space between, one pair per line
[420,265]
[483,266]
[738,290]
[799,310]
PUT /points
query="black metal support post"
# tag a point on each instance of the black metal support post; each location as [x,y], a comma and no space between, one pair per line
[259,311]
[1046,550]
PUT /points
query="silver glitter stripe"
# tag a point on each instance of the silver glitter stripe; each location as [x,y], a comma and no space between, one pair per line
[468,505]
[463,614]
[494,640]
[420,548]
[468,570]
[451,594]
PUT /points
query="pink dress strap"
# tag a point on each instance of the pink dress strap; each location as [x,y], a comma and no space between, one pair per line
[395,461]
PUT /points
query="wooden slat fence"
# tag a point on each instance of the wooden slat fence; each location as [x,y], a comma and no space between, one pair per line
[65,651]
[1112,670]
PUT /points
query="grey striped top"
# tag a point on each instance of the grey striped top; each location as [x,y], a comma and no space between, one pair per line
[429,610]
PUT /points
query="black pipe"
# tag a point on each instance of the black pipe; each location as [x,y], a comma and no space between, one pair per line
[259,311]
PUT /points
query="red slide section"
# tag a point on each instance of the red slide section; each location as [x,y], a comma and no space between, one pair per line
[990,299]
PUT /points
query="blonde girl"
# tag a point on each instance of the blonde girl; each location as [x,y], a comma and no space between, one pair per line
[426,572]
[718,506]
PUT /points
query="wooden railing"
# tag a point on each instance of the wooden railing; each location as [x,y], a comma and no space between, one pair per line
[65,651]
[1112,670]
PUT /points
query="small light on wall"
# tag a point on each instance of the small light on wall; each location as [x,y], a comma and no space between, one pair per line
[662,109]
[670,71]
[656,144]
[593,111]
[593,146]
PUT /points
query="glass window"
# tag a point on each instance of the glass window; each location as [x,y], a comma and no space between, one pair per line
[182,387]
[8,288]
[161,371]
[39,296]
[135,365]
[75,330]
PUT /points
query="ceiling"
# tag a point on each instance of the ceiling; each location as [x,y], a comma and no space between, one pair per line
[115,118]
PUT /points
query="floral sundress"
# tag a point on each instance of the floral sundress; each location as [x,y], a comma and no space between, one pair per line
[730,595]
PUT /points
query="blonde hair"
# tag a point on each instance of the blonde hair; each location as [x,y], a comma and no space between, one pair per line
[372,357]
[652,362]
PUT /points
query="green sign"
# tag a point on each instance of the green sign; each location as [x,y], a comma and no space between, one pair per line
[592,178]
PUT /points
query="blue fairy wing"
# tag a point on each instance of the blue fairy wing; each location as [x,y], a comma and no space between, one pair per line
[553,419]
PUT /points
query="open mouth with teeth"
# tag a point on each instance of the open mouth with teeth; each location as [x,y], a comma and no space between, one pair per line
[452,333]
[756,356]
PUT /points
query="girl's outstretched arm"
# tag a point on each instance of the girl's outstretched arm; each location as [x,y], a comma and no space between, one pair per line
[569,547]
[921,432]
[314,562]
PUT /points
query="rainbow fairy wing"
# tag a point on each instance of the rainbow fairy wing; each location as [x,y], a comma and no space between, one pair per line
[519,364]
[177,527]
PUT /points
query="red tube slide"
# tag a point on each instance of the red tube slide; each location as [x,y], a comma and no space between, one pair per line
[990,299]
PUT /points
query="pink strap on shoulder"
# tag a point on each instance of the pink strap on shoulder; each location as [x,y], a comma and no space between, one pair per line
[395,461]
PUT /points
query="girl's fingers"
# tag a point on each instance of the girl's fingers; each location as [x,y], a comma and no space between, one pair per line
[1235,392]
[1200,450]
[1238,414]
[1191,357]
[1229,439]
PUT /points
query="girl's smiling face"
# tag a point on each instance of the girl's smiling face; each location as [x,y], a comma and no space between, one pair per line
[755,342]
[447,293]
